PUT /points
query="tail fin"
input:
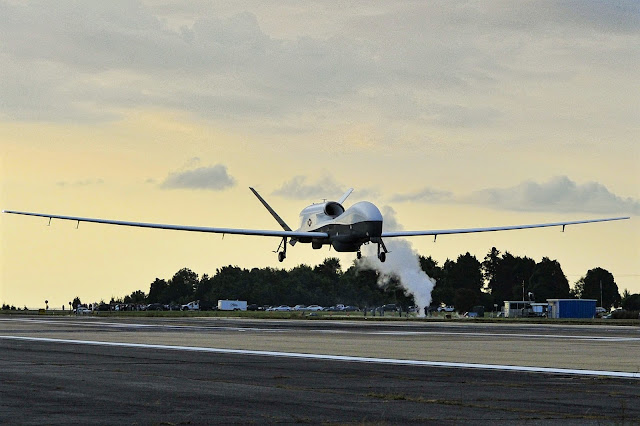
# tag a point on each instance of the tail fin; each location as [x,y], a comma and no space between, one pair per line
[273,213]
[344,197]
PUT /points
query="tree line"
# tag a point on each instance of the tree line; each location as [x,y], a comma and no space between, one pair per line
[462,283]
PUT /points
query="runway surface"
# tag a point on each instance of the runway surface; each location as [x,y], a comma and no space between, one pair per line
[205,370]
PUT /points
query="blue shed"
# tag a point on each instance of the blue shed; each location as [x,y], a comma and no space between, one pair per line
[572,308]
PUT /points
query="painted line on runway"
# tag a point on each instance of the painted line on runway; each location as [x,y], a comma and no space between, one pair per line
[118,325]
[344,358]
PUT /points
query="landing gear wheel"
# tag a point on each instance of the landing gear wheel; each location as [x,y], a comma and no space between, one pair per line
[281,256]
[382,256]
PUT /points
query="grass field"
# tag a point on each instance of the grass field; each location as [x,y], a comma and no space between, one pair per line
[306,316]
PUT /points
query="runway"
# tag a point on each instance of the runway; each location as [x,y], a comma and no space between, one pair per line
[204,370]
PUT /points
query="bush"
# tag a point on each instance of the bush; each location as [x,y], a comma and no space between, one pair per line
[631,302]
[622,314]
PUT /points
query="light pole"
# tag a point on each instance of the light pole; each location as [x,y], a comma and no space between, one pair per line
[601,301]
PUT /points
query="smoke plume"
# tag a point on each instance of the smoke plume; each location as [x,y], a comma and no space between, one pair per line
[402,263]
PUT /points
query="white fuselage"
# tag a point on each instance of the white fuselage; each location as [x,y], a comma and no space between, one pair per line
[348,229]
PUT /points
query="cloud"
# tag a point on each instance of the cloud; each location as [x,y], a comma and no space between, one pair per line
[91,60]
[214,178]
[559,194]
[297,188]
[325,188]
[427,195]
[84,182]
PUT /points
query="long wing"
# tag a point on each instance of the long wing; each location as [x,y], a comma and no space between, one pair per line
[437,232]
[265,233]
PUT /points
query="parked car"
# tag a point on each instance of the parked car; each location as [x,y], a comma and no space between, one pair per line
[282,308]
[191,306]
[314,308]
[336,308]
[300,308]
[351,309]
[390,307]
[155,307]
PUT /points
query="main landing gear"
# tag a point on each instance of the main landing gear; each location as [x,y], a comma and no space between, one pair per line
[382,250]
[282,255]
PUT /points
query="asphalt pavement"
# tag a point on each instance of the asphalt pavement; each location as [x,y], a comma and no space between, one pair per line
[58,381]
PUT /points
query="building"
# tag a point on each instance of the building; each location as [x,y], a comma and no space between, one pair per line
[572,308]
[524,308]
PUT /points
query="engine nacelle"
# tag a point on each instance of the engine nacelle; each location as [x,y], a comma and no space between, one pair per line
[333,209]
[314,215]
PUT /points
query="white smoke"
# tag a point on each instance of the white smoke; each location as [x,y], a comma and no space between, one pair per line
[402,263]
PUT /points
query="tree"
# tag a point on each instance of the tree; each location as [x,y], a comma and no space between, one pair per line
[137,297]
[430,267]
[598,284]
[157,291]
[442,292]
[203,288]
[466,273]
[465,299]
[76,302]
[363,287]
[631,302]
[182,286]
[548,281]
[328,275]
[490,269]
[229,282]
[505,274]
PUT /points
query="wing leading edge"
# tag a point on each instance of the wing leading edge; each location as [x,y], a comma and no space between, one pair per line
[496,228]
[259,232]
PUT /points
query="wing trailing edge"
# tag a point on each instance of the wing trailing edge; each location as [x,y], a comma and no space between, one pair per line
[237,231]
[437,232]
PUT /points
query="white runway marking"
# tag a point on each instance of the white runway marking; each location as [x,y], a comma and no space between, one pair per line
[89,322]
[388,361]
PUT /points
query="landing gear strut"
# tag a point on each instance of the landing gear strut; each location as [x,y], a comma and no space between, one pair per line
[282,255]
[382,254]
[359,254]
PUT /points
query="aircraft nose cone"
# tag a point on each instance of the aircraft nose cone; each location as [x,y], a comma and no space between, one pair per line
[367,211]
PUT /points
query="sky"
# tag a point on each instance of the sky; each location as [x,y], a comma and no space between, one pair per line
[445,114]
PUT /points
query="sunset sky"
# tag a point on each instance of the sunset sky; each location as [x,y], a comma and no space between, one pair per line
[452,114]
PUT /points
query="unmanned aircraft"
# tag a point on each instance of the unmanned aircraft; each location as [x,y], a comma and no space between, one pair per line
[326,223]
